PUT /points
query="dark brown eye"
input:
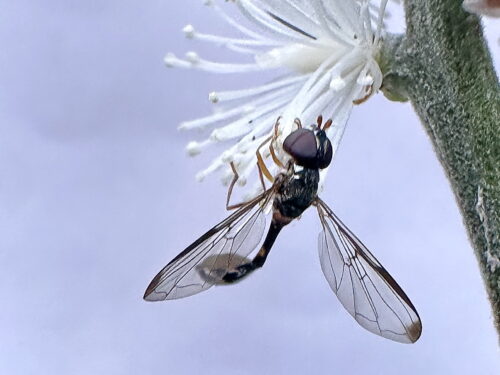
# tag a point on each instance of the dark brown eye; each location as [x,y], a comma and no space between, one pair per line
[302,146]
[309,149]
[325,151]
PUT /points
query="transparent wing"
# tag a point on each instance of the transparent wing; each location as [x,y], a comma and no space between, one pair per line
[204,262]
[363,286]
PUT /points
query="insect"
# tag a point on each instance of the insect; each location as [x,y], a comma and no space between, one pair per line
[222,255]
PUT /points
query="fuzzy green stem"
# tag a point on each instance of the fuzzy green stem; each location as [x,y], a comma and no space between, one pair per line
[443,66]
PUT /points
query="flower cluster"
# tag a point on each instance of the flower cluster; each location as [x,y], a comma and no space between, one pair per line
[328,50]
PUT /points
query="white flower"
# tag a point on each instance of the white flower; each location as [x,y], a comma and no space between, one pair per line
[327,49]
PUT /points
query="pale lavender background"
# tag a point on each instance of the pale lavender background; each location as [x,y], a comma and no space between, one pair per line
[96,195]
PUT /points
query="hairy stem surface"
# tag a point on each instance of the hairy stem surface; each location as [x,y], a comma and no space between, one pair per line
[443,66]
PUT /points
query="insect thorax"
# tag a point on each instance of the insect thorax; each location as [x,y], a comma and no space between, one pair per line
[297,192]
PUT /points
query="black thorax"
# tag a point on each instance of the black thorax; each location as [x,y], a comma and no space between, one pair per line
[297,192]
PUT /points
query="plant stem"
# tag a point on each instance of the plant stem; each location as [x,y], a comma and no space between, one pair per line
[443,66]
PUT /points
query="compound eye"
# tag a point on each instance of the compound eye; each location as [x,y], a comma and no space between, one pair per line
[325,153]
[302,146]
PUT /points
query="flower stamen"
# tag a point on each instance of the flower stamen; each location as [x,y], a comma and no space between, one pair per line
[329,49]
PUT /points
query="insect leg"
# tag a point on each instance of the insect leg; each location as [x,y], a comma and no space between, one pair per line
[260,160]
[276,127]
[261,177]
[275,157]
[230,190]
[276,160]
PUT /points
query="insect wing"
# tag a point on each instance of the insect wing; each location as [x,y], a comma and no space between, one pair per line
[203,263]
[364,287]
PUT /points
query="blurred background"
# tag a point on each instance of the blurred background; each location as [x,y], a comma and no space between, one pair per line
[97,194]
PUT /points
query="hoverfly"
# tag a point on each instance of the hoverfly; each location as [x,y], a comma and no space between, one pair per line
[222,255]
